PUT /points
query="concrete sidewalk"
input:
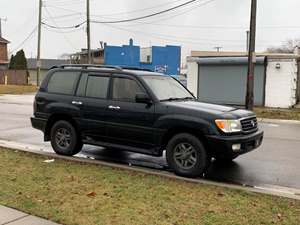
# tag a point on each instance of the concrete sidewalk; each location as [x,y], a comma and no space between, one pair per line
[10,216]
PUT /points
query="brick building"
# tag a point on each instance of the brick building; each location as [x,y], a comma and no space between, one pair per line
[3,53]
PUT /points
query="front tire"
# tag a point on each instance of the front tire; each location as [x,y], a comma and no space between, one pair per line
[187,156]
[64,139]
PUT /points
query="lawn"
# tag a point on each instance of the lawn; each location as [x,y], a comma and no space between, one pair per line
[17,89]
[284,114]
[75,193]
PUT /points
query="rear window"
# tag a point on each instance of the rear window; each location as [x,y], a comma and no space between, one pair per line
[63,82]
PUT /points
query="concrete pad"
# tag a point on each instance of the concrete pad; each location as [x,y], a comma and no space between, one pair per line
[32,220]
[8,215]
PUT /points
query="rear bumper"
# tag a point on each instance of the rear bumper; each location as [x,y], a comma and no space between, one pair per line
[38,123]
[222,145]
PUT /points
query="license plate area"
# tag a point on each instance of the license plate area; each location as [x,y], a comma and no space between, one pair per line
[248,146]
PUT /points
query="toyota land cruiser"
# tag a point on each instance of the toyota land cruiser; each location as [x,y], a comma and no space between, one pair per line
[139,111]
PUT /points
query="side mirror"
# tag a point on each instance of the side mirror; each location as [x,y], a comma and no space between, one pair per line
[143,98]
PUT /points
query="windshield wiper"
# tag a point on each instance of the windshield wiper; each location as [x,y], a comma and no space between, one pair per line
[188,98]
[176,99]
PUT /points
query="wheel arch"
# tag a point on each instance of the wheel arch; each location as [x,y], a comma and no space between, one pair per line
[57,117]
[198,133]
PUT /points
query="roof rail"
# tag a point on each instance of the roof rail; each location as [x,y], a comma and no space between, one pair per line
[85,66]
[134,68]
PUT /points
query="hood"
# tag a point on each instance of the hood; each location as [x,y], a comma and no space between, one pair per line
[219,111]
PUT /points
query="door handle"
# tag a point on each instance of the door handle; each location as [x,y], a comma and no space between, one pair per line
[114,107]
[76,103]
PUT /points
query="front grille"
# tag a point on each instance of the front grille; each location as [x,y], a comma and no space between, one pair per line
[249,124]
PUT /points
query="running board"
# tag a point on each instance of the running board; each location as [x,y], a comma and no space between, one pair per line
[151,151]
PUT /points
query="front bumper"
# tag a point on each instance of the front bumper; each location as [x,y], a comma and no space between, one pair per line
[221,146]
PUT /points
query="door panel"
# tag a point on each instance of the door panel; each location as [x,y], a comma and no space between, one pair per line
[57,97]
[129,123]
[91,98]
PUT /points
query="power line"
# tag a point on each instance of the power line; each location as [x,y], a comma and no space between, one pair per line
[61,32]
[147,16]
[139,10]
[65,20]
[66,15]
[166,37]
[138,23]
[26,39]
[122,21]
[66,3]
[64,27]
[70,43]
[117,13]
[126,20]
[64,9]
[194,7]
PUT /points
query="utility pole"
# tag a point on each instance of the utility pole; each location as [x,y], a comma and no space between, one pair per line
[38,60]
[251,58]
[88,31]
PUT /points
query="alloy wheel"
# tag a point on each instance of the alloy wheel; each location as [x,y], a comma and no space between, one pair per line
[185,156]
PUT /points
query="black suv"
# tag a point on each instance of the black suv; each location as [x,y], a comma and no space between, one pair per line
[139,111]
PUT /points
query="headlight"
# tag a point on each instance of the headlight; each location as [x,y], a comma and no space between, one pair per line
[229,126]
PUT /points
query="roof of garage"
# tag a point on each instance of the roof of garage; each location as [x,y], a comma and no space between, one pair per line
[225,60]
[213,54]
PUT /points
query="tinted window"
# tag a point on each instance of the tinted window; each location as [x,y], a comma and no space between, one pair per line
[63,82]
[97,86]
[125,89]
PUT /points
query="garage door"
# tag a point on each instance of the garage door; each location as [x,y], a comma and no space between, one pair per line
[223,81]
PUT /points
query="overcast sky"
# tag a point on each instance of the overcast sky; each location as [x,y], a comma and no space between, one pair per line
[200,26]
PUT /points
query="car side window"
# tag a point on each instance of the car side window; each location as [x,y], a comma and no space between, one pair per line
[63,82]
[97,86]
[125,89]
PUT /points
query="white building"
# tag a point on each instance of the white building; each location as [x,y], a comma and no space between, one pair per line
[220,77]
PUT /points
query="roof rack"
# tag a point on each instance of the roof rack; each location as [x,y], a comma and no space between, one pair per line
[134,68]
[86,66]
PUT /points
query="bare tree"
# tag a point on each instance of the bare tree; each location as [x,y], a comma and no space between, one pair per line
[287,47]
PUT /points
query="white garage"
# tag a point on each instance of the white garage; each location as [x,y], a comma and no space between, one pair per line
[281,82]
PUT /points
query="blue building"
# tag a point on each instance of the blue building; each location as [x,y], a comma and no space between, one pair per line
[156,58]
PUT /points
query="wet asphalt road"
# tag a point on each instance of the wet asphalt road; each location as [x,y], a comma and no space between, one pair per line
[275,163]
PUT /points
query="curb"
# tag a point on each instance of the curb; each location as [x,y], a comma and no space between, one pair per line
[275,191]
[265,120]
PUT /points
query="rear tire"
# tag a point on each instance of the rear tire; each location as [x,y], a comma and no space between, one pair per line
[187,156]
[64,139]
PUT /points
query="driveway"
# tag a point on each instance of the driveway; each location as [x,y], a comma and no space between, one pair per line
[274,165]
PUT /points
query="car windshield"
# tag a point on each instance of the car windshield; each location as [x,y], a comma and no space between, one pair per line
[167,88]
